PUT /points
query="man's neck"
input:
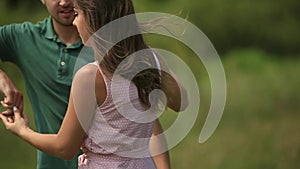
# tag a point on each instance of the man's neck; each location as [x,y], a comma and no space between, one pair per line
[67,34]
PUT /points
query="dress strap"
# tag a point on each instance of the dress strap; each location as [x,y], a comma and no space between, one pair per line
[157,62]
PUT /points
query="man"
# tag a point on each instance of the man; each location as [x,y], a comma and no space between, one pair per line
[46,54]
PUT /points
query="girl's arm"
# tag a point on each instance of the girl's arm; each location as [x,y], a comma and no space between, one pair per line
[159,148]
[176,94]
[66,143]
[177,98]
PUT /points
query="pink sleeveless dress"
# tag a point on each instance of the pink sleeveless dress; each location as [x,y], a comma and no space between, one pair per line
[119,134]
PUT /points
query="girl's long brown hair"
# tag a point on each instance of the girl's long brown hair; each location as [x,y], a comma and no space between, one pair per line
[99,13]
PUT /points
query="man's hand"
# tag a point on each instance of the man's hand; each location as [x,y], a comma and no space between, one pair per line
[12,96]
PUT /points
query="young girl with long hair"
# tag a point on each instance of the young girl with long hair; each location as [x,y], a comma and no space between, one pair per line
[115,100]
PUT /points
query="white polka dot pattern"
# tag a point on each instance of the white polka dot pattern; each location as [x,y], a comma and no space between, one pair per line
[115,142]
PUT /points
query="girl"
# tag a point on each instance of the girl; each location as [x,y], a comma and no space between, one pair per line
[112,106]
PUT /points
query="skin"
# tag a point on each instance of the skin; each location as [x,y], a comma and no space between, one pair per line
[66,143]
[67,147]
[11,95]
[62,13]
[62,18]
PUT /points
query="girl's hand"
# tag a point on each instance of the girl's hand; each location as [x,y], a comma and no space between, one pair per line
[16,123]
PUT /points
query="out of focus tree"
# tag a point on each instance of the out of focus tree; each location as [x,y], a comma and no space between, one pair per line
[272,25]
[26,3]
[12,3]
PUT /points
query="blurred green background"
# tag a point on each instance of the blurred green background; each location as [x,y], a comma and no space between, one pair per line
[258,42]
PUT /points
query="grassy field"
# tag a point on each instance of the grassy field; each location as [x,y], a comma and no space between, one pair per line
[259,128]
[260,124]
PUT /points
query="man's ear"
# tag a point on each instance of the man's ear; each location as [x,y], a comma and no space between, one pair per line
[43,2]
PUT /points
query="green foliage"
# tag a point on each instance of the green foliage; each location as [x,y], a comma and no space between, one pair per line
[24,11]
[259,128]
[11,4]
[272,25]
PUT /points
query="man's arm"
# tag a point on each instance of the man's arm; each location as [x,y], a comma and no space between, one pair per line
[66,143]
[159,148]
[12,96]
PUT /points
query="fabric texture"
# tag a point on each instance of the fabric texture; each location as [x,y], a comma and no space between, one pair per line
[116,138]
[47,66]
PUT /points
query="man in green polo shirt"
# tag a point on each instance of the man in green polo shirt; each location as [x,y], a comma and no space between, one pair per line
[46,53]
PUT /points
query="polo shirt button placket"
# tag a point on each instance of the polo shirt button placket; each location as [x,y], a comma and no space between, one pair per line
[63,62]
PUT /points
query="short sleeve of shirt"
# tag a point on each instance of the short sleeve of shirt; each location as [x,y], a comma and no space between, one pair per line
[10,36]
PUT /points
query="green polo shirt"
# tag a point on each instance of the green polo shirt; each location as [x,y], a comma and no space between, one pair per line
[47,65]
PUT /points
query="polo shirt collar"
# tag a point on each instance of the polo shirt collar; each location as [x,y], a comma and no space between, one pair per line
[49,31]
[51,35]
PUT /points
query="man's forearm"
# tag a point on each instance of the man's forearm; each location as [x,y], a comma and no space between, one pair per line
[12,96]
